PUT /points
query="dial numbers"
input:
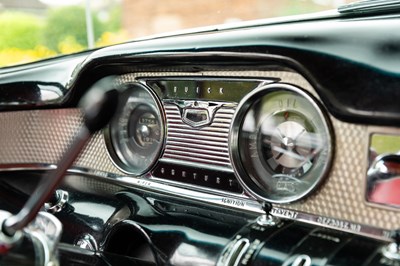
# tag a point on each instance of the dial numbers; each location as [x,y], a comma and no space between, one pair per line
[283,143]
[137,132]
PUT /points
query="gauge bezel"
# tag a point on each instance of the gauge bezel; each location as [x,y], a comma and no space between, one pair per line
[114,153]
[249,184]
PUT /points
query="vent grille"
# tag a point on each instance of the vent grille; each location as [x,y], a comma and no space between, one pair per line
[207,145]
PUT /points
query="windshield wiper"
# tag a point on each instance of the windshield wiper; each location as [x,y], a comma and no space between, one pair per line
[370,6]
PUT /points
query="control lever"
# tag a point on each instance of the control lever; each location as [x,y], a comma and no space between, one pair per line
[250,238]
[98,107]
[267,219]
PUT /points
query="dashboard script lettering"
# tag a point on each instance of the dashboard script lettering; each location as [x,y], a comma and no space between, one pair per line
[144,183]
[284,213]
[233,202]
[339,224]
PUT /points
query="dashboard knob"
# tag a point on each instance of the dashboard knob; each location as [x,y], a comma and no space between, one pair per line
[87,242]
[383,180]
[392,250]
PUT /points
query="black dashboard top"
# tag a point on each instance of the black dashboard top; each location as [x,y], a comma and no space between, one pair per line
[324,51]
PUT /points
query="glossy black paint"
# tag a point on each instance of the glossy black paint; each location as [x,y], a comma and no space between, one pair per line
[352,63]
[344,58]
[138,227]
[23,87]
[341,58]
[175,230]
[26,252]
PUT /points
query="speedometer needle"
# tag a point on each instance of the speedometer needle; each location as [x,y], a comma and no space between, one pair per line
[289,153]
[281,135]
[298,135]
[279,156]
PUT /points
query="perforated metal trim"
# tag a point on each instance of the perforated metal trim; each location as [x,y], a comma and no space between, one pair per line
[41,136]
[36,136]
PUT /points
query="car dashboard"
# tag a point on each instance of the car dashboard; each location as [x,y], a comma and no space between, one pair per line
[267,143]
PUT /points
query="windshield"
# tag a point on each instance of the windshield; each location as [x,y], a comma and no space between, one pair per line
[36,29]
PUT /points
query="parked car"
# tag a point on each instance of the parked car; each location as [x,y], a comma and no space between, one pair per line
[266,142]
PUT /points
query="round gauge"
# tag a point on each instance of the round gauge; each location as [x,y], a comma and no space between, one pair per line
[136,134]
[281,144]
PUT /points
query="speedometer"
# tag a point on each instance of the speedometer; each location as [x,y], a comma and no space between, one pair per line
[136,134]
[281,144]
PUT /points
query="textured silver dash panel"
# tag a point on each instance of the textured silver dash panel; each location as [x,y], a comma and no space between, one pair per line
[42,137]
[208,145]
[39,136]
[342,194]
[95,156]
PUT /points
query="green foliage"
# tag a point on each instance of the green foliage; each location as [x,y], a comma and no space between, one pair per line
[295,7]
[385,143]
[19,30]
[113,23]
[69,21]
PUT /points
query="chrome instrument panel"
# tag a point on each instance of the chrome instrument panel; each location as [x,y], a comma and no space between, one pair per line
[135,136]
[339,198]
[383,174]
[281,143]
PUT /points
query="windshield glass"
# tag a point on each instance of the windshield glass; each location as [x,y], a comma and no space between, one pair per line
[36,29]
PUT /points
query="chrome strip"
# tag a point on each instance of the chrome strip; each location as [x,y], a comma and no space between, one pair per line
[205,190]
[47,229]
[237,202]
[197,165]
[26,167]
[332,223]
[207,145]
[368,6]
[340,197]
[199,141]
[173,143]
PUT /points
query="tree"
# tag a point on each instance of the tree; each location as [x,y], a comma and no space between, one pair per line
[19,30]
[66,23]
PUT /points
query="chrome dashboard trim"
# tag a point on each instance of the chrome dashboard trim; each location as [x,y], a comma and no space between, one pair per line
[208,107]
[198,188]
[195,164]
[47,229]
[249,183]
[332,223]
[27,167]
[366,6]
[237,202]
[115,154]
[206,144]
[377,130]
[28,136]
